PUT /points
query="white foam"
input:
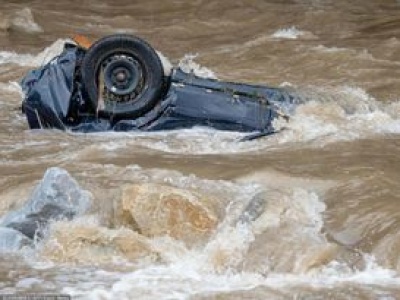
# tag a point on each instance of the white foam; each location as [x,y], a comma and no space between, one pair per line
[182,282]
[28,282]
[290,33]
[359,54]
[344,113]
[188,65]
[15,58]
[322,48]
[29,60]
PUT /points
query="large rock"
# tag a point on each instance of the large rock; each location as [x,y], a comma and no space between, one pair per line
[158,210]
[12,240]
[57,196]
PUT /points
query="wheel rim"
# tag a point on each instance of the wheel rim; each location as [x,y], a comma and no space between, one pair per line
[123,78]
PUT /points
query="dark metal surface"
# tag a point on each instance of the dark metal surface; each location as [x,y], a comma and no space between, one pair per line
[54,98]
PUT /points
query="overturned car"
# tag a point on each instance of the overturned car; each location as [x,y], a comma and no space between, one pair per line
[120,83]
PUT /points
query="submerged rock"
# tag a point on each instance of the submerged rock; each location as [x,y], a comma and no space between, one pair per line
[254,209]
[31,223]
[158,210]
[90,243]
[288,234]
[57,196]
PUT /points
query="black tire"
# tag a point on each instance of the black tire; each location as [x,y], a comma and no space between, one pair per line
[132,51]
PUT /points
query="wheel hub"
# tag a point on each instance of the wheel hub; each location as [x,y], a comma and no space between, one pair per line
[123,78]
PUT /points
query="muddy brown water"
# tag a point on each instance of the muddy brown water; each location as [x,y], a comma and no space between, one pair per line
[330,226]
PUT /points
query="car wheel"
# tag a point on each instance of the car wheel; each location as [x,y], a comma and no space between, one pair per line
[122,76]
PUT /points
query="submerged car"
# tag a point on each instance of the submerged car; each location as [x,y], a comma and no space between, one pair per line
[120,83]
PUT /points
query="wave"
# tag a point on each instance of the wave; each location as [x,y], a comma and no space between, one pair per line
[23,20]
[29,60]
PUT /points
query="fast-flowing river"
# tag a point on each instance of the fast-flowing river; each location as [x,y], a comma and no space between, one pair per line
[330,220]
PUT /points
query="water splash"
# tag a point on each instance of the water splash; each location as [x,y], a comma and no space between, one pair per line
[29,60]
[182,282]
[188,65]
[290,33]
